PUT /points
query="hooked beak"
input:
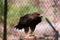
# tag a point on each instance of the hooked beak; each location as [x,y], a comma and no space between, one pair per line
[40,16]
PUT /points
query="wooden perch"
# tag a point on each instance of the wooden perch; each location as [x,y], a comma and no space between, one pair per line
[30,38]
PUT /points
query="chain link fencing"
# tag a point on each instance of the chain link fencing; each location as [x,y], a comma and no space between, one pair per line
[44,31]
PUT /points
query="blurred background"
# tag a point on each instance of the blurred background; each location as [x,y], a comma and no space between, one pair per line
[18,8]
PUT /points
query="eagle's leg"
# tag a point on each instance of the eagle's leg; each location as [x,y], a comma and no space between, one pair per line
[26,30]
[32,30]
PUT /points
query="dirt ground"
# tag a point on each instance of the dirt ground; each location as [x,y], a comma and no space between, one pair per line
[42,29]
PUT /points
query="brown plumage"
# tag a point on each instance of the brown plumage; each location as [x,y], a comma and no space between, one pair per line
[29,20]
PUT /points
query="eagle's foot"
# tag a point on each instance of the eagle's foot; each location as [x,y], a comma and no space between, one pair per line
[32,34]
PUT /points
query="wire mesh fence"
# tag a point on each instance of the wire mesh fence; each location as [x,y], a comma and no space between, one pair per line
[45,30]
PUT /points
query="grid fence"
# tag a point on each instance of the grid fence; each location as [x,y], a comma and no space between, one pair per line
[46,30]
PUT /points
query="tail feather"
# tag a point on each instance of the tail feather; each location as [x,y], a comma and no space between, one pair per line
[18,27]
